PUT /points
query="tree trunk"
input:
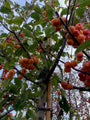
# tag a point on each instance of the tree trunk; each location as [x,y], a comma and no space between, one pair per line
[42,101]
[48,113]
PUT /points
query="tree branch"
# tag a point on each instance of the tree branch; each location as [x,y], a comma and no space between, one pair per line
[75,40]
[37,83]
[1,117]
[8,60]
[81,88]
[56,62]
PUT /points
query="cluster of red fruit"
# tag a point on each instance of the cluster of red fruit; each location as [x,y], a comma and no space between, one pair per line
[1,66]
[5,72]
[85,77]
[79,56]
[9,115]
[86,68]
[79,33]
[23,71]
[56,22]
[28,63]
[17,45]
[59,92]
[66,86]
[9,39]
[45,14]
[46,18]
[68,65]
[11,73]
[39,48]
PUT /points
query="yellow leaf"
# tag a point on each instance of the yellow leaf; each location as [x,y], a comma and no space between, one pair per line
[4,44]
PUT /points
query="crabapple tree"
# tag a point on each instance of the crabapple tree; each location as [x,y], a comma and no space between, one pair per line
[45,60]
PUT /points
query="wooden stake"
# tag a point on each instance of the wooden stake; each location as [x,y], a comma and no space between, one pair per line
[48,113]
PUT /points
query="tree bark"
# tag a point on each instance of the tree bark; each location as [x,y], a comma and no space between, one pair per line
[42,101]
[48,113]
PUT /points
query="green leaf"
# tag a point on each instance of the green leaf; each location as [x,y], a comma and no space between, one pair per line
[65,1]
[37,9]
[5,84]
[27,33]
[83,46]
[64,104]
[19,51]
[49,12]
[61,73]
[58,45]
[63,92]
[19,104]
[27,27]
[64,12]
[35,16]
[55,80]
[17,20]
[5,118]
[55,37]
[84,3]
[15,27]
[30,114]
[49,31]
[17,82]
[13,89]
[7,5]
[80,11]
[4,35]
[30,94]
[56,3]
[1,17]
[5,10]
[24,86]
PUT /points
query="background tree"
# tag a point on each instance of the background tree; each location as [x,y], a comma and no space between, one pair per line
[44,60]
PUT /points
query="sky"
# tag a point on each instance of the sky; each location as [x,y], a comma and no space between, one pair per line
[22,2]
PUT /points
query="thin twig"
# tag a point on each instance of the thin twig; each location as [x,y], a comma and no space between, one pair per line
[73,18]
[68,10]
[74,3]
